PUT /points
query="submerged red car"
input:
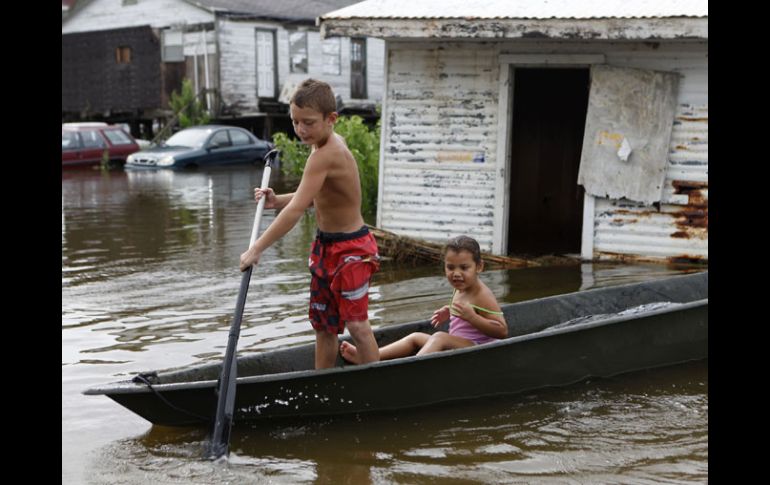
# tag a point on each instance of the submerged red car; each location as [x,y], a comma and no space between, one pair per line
[84,144]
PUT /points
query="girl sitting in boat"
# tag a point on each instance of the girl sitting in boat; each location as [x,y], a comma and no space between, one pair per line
[473,312]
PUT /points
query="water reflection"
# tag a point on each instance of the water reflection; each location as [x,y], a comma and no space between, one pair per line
[117,221]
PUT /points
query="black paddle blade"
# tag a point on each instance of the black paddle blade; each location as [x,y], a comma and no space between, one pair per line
[219,444]
[218,447]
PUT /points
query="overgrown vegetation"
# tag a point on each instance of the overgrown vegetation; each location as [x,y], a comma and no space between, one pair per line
[188,106]
[364,144]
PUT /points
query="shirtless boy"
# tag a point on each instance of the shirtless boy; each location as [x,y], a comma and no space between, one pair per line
[344,255]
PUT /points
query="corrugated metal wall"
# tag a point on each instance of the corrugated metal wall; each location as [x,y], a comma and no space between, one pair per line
[440,127]
[678,228]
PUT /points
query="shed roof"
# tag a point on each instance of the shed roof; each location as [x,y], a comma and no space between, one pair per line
[521,9]
[520,19]
[285,9]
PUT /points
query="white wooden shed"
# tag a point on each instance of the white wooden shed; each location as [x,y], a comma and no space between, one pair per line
[544,126]
[248,54]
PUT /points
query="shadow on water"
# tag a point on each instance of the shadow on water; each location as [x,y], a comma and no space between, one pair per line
[590,431]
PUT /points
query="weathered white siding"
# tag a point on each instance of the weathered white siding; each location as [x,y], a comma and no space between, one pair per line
[440,127]
[375,68]
[237,44]
[237,63]
[375,49]
[112,14]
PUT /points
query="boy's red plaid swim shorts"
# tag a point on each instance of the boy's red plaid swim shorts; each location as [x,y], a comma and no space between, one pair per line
[341,265]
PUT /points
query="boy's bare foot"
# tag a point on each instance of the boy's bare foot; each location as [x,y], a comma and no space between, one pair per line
[349,352]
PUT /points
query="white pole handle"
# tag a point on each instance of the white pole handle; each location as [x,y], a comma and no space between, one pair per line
[261,204]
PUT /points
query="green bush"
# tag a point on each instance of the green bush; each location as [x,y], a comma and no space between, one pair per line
[191,110]
[364,144]
[293,154]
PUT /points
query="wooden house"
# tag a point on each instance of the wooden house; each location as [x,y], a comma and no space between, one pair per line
[121,59]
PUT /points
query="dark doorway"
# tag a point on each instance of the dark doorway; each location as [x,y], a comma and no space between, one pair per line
[546,203]
[358,68]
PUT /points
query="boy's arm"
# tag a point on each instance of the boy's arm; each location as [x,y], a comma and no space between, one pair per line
[274,201]
[313,178]
[282,200]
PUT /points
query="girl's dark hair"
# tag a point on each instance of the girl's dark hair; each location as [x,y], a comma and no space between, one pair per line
[315,94]
[465,243]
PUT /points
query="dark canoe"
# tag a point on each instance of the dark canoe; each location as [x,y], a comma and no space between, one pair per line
[553,341]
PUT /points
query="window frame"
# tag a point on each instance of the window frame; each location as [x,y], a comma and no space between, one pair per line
[292,65]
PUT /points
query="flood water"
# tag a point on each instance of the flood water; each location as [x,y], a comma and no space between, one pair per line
[149,281]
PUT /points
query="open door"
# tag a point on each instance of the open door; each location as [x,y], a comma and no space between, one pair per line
[546,203]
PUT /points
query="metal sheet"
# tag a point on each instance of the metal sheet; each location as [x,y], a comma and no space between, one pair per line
[677,229]
[628,129]
[522,9]
[591,20]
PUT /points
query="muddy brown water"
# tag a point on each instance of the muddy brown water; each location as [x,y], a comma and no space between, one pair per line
[149,281]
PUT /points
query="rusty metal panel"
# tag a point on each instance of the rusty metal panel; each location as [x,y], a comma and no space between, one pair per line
[632,231]
[628,129]
[440,130]
[688,155]
[676,229]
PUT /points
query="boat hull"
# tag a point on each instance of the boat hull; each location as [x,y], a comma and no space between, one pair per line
[549,346]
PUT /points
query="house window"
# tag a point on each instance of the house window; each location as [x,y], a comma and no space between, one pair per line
[331,49]
[123,54]
[358,68]
[298,51]
[173,46]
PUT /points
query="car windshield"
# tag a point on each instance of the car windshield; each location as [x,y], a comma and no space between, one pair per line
[193,138]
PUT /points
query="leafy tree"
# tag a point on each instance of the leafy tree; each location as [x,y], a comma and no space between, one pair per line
[188,107]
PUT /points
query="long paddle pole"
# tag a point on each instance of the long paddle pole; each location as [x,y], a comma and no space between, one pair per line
[219,445]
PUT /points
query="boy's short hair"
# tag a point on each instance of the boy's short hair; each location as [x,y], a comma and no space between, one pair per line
[315,94]
[464,243]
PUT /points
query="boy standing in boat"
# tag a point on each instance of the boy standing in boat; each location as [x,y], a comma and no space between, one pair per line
[344,254]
